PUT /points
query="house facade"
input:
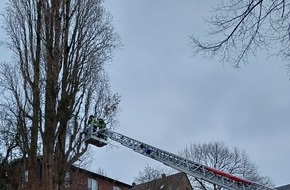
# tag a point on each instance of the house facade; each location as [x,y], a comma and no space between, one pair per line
[80,179]
[75,179]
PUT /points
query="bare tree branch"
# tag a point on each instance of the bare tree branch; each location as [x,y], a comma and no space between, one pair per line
[230,160]
[241,28]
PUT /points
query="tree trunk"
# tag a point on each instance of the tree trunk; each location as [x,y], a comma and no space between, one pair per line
[60,48]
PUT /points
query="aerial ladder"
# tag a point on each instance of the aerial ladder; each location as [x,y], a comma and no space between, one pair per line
[99,138]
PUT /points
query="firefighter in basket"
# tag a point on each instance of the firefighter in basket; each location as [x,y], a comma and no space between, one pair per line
[98,124]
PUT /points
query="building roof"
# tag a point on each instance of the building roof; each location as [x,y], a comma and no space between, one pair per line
[178,181]
[98,176]
[284,187]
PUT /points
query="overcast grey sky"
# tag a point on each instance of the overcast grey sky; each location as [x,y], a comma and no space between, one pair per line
[171,99]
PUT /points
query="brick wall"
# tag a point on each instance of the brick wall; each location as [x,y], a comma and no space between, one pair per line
[79,181]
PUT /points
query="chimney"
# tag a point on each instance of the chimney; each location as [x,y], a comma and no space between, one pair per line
[133,184]
[163,175]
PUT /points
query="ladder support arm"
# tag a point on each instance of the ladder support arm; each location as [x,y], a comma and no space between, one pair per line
[179,163]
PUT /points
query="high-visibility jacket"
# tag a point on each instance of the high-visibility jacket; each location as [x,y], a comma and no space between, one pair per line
[97,123]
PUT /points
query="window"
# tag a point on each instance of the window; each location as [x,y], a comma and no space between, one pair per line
[116,188]
[92,184]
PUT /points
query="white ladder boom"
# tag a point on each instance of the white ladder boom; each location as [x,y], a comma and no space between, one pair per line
[179,163]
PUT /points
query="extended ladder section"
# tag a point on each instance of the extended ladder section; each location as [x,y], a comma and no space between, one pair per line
[179,163]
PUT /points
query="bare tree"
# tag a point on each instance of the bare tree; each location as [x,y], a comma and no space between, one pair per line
[241,28]
[8,147]
[56,79]
[229,160]
[151,173]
